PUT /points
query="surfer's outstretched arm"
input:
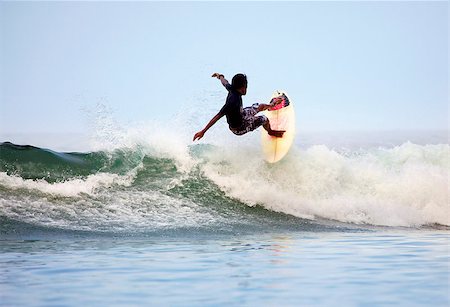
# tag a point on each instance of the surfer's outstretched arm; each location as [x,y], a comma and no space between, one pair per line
[222,79]
[200,134]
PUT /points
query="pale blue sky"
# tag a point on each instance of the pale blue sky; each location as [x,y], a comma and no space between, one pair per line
[346,65]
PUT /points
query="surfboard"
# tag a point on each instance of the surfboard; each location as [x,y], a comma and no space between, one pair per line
[281,117]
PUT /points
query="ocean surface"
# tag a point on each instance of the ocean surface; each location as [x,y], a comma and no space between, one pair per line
[143,218]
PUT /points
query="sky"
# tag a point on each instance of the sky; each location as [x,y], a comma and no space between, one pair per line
[346,65]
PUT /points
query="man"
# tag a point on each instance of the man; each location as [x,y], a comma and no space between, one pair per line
[240,120]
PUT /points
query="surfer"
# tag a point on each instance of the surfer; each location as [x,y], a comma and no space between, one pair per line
[240,120]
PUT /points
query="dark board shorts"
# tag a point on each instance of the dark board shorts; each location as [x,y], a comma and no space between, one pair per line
[249,120]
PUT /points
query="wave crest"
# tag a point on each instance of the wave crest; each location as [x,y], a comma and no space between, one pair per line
[407,185]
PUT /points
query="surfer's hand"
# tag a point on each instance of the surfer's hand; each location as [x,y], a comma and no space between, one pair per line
[217,75]
[198,135]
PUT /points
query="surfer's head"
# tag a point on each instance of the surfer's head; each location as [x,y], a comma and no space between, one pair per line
[239,83]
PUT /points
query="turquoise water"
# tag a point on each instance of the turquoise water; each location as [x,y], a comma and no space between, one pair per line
[362,268]
[167,223]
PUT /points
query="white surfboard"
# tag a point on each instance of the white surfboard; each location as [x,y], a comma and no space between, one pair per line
[281,117]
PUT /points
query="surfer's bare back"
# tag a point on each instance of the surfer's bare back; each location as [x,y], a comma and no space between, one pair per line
[240,120]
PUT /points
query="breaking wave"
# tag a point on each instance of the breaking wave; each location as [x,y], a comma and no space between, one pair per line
[165,184]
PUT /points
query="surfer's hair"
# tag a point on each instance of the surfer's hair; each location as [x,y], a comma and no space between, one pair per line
[239,81]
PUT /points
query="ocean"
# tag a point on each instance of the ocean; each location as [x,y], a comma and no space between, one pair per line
[360,219]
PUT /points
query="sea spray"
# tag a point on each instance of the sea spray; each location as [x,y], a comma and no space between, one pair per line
[150,175]
[402,186]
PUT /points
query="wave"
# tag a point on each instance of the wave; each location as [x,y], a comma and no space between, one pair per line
[402,186]
[148,187]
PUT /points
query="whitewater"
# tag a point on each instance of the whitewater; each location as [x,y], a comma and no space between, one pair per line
[152,177]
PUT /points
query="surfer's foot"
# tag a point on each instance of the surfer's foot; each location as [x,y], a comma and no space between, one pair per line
[276,133]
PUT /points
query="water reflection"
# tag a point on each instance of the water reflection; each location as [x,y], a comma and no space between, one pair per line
[253,269]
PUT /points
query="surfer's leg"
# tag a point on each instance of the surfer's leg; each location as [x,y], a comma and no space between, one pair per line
[262,120]
[250,121]
[273,103]
[275,133]
[263,107]
[247,115]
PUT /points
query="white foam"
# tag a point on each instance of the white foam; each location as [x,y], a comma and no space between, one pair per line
[157,138]
[113,210]
[69,188]
[404,186]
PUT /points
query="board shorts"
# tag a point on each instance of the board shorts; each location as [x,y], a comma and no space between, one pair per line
[249,120]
